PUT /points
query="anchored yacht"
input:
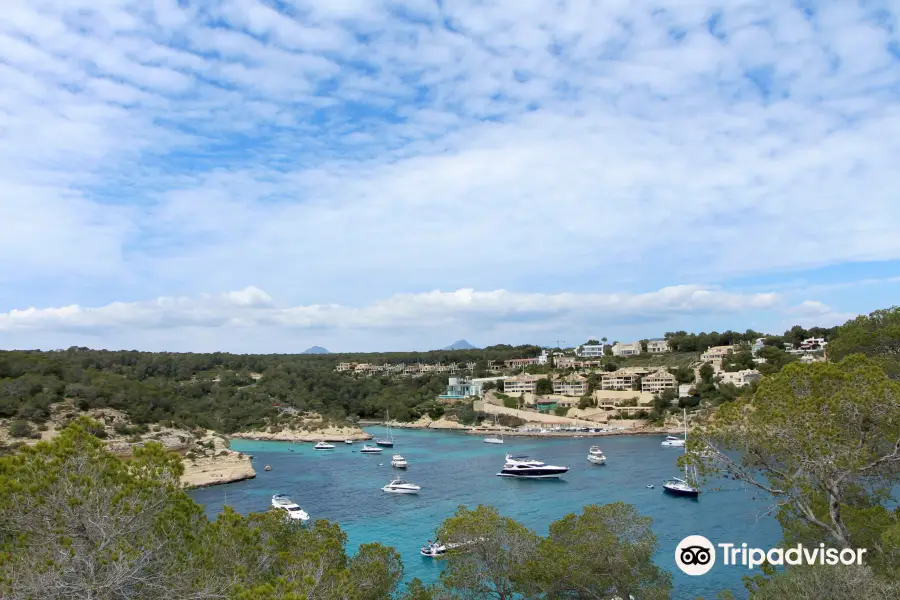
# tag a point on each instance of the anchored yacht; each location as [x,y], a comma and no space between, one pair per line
[399,462]
[323,446]
[596,456]
[367,449]
[523,467]
[398,486]
[292,509]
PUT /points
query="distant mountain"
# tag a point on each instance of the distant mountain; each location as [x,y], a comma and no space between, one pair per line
[316,350]
[461,345]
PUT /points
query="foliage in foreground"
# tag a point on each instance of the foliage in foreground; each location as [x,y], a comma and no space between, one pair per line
[78,523]
[823,440]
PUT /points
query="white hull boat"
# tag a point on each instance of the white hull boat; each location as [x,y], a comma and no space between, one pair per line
[521,467]
[324,446]
[672,442]
[398,462]
[367,449]
[348,442]
[291,509]
[398,486]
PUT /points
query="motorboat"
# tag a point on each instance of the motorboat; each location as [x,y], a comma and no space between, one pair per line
[388,440]
[523,467]
[367,449]
[673,442]
[292,509]
[437,549]
[677,486]
[323,446]
[399,486]
[596,456]
[494,439]
[348,442]
[399,462]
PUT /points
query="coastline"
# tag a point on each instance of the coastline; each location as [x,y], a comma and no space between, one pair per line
[442,424]
[327,434]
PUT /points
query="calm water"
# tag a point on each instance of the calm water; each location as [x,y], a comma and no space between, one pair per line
[343,485]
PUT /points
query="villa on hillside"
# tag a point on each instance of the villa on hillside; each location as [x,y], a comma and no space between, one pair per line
[623,349]
[716,353]
[459,388]
[591,350]
[618,380]
[659,381]
[576,385]
[520,384]
[741,378]
[658,346]
[518,363]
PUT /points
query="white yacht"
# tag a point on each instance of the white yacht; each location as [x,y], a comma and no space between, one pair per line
[399,462]
[291,508]
[523,467]
[398,486]
[673,442]
[677,486]
[367,449]
[348,442]
[323,446]
[596,456]
[437,549]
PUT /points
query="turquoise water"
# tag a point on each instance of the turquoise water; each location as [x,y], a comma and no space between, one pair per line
[343,485]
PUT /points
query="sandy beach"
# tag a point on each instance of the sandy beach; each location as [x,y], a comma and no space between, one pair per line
[328,434]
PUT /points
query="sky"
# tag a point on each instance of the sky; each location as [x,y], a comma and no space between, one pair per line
[260,176]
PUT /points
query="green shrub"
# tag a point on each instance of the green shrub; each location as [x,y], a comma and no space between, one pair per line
[22,429]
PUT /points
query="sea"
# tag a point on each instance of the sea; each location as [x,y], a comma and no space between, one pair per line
[454,469]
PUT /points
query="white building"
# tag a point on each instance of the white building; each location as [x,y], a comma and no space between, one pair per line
[520,384]
[591,350]
[741,378]
[544,358]
[684,390]
[630,349]
[658,346]
[716,353]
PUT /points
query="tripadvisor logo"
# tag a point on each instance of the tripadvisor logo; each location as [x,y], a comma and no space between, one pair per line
[696,555]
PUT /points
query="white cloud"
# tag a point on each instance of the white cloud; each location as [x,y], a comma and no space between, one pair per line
[336,152]
[465,307]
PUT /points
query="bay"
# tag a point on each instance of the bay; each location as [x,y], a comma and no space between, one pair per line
[344,486]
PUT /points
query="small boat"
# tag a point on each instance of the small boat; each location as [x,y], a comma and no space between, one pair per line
[398,486]
[348,442]
[596,456]
[324,446]
[494,439]
[292,509]
[672,442]
[399,462]
[436,549]
[268,468]
[388,440]
[367,449]
[522,467]
[650,486]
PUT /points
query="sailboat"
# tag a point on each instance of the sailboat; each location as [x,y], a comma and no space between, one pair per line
[493,439]
[388,440]
[687,486]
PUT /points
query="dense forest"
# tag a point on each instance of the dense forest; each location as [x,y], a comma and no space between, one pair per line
[225,392]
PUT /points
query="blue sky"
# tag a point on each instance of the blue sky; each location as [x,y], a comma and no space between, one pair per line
[256,176]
